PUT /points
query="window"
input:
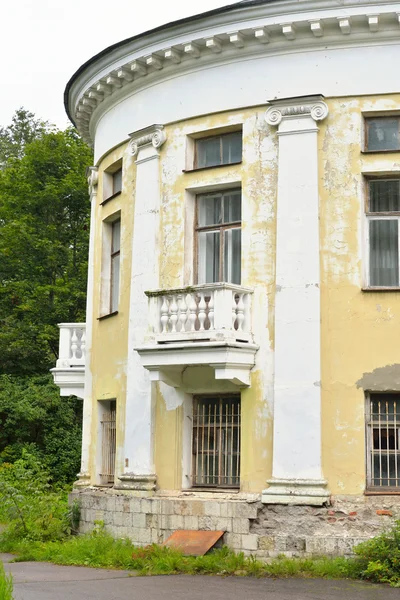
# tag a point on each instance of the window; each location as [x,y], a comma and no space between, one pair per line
[108,413]
[383,441]
[218,230]
[216,441]
[218,150]
[383,214]
[112,181]
[115,264]
[382,133]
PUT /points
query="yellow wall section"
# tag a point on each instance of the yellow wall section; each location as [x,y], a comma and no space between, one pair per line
[360,330]
[110,348]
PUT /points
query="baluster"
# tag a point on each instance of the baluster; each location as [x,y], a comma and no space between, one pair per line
[202,311]
[74,343]
[164,315]
[173,308]
[192,312]
[83,344]
[234,311]
[240,313]
[211,311]
[182,311]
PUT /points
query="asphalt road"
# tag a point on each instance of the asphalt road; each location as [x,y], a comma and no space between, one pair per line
[42,581]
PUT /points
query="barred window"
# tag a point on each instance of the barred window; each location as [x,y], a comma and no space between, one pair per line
[383,441]
[108,412]
[216,441]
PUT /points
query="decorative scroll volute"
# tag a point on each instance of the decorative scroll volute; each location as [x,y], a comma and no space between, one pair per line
[154,135]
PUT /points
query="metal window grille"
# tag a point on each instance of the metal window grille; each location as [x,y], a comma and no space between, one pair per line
[108,444]
[383,441]
[216,442]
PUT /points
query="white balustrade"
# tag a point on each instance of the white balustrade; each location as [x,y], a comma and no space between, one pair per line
[72,345]
[209,312]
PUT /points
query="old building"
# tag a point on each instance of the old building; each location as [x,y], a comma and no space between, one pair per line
[239,365]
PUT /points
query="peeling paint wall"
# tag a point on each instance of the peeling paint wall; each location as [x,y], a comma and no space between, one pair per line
[360,330]
[109,354]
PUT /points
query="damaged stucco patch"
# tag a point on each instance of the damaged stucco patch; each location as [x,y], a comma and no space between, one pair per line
[382,379]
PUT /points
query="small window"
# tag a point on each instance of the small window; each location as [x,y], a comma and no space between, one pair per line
[383,442]
[115,264]
[218,230]
[382,134]
[117,181]
[216,441]
[218,150]
[108,413]
[383,214]
[112,181]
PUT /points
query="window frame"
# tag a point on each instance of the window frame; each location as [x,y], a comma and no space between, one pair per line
[218,227]
[107,408]
[216,487]
[115,254]
[378,216]
[369,117]
[109,192]
[211,137]
[106,288]
[371,489]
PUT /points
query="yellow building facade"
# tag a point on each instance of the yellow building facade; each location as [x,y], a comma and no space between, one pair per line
[238,365]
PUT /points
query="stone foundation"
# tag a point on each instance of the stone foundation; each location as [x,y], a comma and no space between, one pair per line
[251,527]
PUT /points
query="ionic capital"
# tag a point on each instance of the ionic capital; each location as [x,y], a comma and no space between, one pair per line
[312,106]
[154,135]
[92,175]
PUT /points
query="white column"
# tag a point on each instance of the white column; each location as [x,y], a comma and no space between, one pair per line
[297,470]
[84,474]
[139,472]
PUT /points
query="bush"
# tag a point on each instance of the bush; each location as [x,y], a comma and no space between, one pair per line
[6,585]
[30,507]
[380,557]
[35,418]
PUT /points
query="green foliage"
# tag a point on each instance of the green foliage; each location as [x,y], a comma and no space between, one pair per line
[33,416]
[101,550]
[380,557]
[23,130]
[32,509]
[44,221]
[6,585]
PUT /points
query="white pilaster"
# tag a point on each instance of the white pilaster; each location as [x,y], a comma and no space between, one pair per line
[84,474]
[139,472]
[297,471]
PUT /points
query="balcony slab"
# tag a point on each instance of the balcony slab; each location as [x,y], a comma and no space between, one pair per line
[231,361]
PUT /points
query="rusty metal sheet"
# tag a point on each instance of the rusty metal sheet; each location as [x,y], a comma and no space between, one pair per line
[193,543]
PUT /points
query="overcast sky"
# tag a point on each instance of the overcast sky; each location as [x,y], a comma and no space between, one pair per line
[43,42]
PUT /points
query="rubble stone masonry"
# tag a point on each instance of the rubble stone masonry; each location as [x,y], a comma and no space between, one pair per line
[250,526]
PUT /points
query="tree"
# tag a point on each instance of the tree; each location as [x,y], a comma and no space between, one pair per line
[44,221]
[24,129]
[34,417]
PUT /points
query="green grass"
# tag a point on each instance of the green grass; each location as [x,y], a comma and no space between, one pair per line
[101,550]
[6,585]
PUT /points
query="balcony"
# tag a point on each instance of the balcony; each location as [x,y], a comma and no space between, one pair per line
[69,373]
[207,325]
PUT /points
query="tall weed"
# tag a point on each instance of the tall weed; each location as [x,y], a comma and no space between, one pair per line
[6,585]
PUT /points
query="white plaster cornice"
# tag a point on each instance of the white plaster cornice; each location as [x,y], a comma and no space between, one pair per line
[313,106]
[269,29]
[154,135]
